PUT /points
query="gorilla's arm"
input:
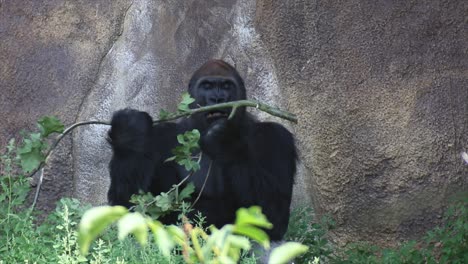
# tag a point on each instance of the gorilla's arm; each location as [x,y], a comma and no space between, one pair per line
[132,166]
[139,151]
[268,178]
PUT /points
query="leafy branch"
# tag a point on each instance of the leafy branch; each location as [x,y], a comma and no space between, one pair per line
[172,200]
[35,153]
[164,116]
[32,153]
[39,160]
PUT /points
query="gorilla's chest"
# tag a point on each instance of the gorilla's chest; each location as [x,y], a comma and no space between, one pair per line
[211,179]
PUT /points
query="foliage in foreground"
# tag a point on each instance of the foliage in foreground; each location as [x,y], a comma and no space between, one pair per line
[56,239]
[223,245]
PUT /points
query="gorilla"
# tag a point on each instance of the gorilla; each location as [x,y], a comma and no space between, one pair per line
[247,162]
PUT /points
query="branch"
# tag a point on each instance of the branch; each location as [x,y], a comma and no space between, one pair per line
[174,187]
[54,145]
[203,186]
[61,136]
[235,104]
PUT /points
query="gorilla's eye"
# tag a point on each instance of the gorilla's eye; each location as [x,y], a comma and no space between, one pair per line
[206,85]
[227,85]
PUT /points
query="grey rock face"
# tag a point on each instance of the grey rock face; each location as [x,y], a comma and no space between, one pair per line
[380,88]
[50,52]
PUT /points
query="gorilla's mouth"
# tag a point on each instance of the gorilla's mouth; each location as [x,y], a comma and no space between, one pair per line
[215,115]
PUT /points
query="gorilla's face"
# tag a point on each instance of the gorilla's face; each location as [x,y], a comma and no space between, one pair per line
[214,83]
[211,90]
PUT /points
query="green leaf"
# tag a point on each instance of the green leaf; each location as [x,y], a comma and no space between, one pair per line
[163,114]
[181,138]
[226,260]
[164,201]
[133,223]
[31,160]
[286,252]
[177,234]
[186,164]
[254,233]
[30,153]
[49,125]
[187,191]
[248,222]
[94,221]
[170,159]
[162,238]
[186,101]
[195,166]
[239,242]
[237,245]
[252,216]
[184,152]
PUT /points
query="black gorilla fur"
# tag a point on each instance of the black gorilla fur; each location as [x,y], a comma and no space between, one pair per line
[254,162]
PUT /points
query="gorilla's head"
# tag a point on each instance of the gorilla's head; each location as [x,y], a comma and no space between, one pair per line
[216,82]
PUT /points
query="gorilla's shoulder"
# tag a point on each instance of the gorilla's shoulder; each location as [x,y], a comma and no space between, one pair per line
[273,131]
[274,139]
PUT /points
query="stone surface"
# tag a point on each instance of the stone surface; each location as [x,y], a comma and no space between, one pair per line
[50,52]
[380,88]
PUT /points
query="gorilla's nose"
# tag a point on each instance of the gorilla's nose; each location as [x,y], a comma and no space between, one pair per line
[217,99]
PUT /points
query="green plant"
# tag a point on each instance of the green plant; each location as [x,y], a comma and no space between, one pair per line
[445,244]
[450,242]
[19,241]
[302,228]
[223,245]
[183,154]
[65,245]
[32,152]
[357,253]
[14,189]
[55,240]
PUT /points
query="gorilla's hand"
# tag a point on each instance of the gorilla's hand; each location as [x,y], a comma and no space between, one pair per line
[212,141]
[130,130]
[216,130]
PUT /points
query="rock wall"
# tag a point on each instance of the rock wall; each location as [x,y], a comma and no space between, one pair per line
[50,54]
[380,88]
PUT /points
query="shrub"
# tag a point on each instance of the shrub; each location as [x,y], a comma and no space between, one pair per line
[304,229]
